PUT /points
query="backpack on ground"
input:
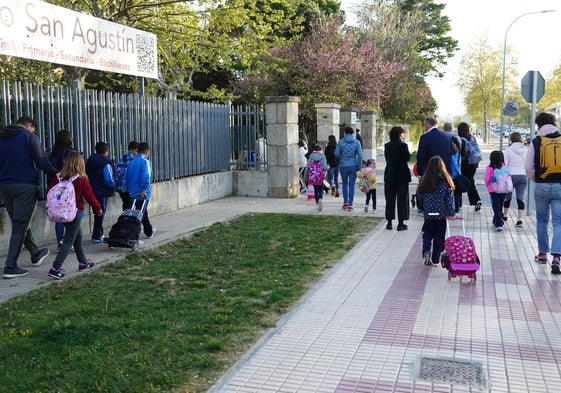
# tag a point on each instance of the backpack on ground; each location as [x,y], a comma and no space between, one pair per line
[501,182]
[315,173]
[120,174]
[472,152]
[61,201]
[364,184]
[550,158]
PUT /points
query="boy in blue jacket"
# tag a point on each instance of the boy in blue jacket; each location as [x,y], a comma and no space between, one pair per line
[139,174]
[100,174]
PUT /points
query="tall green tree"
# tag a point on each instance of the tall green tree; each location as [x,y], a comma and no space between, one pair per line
[480,82]
[328,65]
[552,89]
[416,33]
[203,45]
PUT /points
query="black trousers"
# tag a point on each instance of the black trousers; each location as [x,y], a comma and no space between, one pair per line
[397,195]
[468,170]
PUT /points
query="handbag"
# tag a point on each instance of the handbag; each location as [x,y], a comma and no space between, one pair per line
[462,183]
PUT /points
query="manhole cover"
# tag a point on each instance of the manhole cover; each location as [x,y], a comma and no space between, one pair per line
[451,371]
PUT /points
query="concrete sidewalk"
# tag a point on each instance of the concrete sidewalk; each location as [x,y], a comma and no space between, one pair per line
[382,321]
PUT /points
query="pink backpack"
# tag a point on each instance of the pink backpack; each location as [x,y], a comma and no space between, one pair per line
[315,173]
[61,200]
[461,249]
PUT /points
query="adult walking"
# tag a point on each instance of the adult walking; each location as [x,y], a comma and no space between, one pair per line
[303,161]
[22,154]
[542,166]
[397,177]
[515,159]
[433,142]
[333,162]
[349,153]
[471,156]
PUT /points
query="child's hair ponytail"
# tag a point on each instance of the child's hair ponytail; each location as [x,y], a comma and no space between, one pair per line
[436,170]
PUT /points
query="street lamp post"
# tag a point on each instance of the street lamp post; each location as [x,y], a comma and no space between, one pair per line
[504,66]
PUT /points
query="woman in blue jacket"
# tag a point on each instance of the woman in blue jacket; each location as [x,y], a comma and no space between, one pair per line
[349,153]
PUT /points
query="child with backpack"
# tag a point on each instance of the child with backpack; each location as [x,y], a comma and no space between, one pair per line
[315,173]
[61,148]
[73,169]
[99,170]
[368,182]
[499,183]
[435,193]
[121,174]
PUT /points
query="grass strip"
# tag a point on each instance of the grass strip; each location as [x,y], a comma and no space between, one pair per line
[173,318]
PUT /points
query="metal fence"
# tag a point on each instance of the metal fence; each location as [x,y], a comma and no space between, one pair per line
[186,138]
[248,137]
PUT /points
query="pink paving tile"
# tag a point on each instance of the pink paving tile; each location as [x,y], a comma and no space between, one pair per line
[402,301]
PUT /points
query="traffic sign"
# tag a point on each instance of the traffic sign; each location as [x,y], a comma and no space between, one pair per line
[532,83]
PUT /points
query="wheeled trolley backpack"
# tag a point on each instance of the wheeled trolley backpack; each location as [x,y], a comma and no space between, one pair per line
[124,233]
[459,255]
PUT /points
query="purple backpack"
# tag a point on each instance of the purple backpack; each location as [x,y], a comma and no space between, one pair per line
[315,173]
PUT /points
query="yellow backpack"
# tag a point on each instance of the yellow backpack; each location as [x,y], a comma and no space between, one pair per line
[550,158]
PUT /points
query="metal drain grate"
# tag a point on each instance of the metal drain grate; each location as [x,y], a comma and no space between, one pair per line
[451,371]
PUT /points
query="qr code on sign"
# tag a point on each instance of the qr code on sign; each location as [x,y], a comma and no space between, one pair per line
[146,58]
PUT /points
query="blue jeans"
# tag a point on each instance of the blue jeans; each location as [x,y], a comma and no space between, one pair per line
[497,201]
[20,201]
[348,175]
[333,177]
[548,199]
[97,231]
[59,231]
[72,237]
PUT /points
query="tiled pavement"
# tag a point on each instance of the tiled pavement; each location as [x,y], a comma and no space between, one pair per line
[380,321]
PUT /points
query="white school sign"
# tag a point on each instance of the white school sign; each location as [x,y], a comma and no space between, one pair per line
[37,30]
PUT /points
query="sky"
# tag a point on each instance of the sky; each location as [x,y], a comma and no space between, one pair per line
[534,39]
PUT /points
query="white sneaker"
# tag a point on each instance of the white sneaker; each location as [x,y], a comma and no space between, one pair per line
[153,233]
[320,205]
[366,208]
[499,229]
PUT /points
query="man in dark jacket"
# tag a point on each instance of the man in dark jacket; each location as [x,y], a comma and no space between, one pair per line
[433,142]
[21,153]
[100,174]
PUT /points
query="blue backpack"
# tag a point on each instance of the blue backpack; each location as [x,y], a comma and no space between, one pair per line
[472,152]
[120,174]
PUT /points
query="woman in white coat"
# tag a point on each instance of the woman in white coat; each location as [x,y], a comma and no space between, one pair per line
[515,157]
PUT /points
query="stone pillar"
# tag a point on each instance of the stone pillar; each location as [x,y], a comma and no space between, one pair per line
[281,114]
[368,133]
[348,117]
[328,120]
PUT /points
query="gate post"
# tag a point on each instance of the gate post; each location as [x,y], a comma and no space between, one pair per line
[368,133]
[281,114]
[328,119]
